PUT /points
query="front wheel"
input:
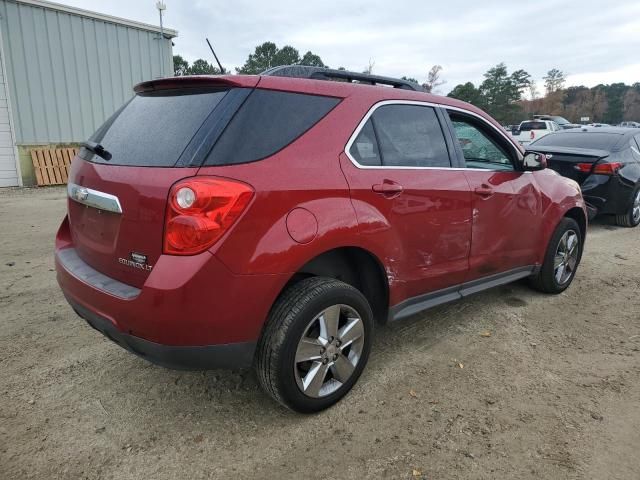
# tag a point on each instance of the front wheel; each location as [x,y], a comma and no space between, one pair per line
[315,344]
[561,259]
[631,218]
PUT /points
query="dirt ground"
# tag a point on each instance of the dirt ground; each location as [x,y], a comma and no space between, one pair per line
[507,384]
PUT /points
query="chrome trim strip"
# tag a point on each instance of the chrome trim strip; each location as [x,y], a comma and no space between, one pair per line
[360,126]
[94,198]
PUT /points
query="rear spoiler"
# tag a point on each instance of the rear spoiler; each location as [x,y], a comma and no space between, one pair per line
[573,151]
[198,81]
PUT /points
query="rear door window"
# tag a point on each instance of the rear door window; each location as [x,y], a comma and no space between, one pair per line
[153,129]
[410,136]
[267,122]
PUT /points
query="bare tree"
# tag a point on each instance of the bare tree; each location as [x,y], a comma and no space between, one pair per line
[369,69]
[533,91]
[433,79]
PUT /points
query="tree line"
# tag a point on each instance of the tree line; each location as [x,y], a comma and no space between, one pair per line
[509,97]
[512,97]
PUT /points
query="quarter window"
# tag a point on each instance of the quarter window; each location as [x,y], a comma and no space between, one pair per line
[478,148]
[410,136]
[365,147]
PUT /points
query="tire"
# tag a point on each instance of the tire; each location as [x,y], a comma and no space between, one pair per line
[548,279]
[307,309]
[632,216]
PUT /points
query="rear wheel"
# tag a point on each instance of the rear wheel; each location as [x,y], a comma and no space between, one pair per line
[632,217]
[561,259]
[315,344]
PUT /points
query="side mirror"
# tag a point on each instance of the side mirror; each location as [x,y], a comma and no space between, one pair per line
[534,161]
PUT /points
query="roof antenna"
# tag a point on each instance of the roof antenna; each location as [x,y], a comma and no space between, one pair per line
[222,70]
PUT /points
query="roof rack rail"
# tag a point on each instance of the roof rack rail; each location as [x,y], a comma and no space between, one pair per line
[322,73]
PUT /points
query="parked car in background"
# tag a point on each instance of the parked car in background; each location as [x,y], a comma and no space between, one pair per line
[606,164]
[629,125]
[225,221]
[598,125]
[561,121]
[530,130]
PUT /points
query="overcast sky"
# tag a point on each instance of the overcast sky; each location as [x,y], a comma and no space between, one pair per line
[591,41]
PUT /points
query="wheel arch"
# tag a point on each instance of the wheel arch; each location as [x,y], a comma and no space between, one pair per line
[578,214]
[355,266]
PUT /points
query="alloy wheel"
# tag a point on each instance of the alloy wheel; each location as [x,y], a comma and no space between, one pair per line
[566,257]
[329,351]
[635,209]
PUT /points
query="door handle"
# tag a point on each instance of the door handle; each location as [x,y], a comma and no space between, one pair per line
[484,191]
[388,189]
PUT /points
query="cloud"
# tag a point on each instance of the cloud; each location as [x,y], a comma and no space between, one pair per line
[591,41]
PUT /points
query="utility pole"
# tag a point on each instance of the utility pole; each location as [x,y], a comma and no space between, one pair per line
[160,5]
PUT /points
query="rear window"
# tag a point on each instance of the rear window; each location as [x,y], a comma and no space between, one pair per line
[589,140]
[527,126]
[267,122]
[153,129]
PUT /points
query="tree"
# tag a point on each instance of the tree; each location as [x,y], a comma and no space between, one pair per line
[522,81]
[180,66]
[312,60]
[467,93]
[615,94]
[268,55]
[554,80]
[410,79]
[433,79]
[202,67]
[631,104]
[501,92]
[369,69]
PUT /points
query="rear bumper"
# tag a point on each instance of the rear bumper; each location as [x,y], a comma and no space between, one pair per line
[202,357]
[191,312]
[606,195]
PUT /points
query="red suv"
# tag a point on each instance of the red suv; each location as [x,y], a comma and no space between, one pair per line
[273,220]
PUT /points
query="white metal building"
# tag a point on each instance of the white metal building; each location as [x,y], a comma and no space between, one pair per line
[63,71]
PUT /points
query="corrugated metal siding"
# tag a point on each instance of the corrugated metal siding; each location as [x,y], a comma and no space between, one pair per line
[8,172]
[69,73]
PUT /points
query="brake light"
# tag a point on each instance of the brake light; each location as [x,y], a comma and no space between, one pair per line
[532,135]
[200,211]
[600,168]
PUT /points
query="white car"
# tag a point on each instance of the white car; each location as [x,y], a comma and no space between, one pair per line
[531,130]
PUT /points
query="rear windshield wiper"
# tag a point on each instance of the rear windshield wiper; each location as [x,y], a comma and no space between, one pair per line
[97,149]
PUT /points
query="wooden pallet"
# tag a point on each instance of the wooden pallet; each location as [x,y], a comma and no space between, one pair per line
[52,165]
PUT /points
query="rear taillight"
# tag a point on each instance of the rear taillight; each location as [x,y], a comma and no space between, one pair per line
[599,168]
[200,211]
[532,135]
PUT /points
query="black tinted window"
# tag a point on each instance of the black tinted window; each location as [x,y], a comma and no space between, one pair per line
[365,147]
[410,136]
[593,140]
[266,123]
[152,130]
[528,126]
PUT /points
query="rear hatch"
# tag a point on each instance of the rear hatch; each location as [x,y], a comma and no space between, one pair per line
[117,206]
[571,162]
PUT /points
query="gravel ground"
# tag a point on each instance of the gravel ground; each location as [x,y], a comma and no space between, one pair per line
[506,384]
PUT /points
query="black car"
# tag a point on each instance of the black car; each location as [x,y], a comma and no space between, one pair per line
[606,164]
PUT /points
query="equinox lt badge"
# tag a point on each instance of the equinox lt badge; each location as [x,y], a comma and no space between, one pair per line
[138,260]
